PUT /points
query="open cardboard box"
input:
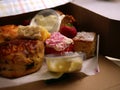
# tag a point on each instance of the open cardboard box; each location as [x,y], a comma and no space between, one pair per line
[88,21]
[108,78]
[106,27]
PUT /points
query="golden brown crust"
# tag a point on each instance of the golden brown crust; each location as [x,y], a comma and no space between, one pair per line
[8,32]
[15,73]
[15,46]
[68,19]
[20,57]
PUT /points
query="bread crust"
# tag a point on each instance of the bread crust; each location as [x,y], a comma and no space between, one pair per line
[8,32]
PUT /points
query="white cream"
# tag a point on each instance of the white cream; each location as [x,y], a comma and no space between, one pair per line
[51,22]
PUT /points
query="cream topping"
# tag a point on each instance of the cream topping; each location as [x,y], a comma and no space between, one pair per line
[51,22]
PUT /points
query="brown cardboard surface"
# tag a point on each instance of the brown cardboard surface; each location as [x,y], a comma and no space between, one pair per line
[109,29]
[109,76]
[106,8]
[107,79]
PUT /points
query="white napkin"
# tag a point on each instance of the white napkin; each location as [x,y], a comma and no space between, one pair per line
[14,7]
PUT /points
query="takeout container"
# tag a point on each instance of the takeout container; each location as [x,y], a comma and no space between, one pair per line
[109,42]
[107,28]
[47,18]
[65,63]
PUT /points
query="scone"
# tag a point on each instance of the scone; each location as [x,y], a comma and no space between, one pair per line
[85,42]
[20,57]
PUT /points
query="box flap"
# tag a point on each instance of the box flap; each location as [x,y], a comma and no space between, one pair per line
[106,8]
[14,7]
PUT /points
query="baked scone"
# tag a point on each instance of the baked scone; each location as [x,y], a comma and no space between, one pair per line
[20,57]
[85,42]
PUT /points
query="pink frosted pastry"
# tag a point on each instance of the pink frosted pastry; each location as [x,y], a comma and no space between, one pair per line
[58,44]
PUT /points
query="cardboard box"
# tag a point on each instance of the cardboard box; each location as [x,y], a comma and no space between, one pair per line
[108,28]
[108,78]
[87,21]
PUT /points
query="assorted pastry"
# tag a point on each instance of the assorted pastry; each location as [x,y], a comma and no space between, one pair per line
[23,48]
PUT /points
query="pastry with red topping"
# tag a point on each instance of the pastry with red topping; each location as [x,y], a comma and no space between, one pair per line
[58,44]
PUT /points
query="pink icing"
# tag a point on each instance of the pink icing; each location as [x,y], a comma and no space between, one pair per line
[58,41]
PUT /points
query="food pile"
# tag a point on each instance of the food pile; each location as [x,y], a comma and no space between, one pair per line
[23,48]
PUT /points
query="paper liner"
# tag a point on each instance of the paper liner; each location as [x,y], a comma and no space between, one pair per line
[16,7]
[89,67]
